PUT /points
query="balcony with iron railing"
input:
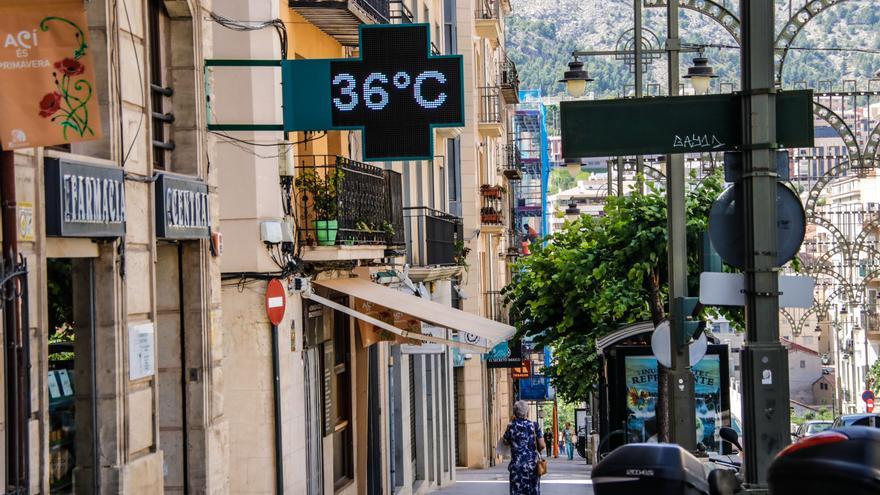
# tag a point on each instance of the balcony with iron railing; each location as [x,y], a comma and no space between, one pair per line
[487,20]
[345,203]
[341,18]
[513,163]
[400,13]
[434,244]
[509,82]
[492,209]
[490,114]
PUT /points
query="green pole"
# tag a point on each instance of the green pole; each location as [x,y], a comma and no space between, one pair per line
[764,360]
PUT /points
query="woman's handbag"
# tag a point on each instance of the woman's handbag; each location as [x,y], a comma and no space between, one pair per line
[541,466]
[541,463]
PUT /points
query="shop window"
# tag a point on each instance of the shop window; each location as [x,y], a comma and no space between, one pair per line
[161,115]
[340,407]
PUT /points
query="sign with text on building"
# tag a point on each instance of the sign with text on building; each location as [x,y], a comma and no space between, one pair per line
[84,200]
[677,124]
[141,351]
[47,77]
[182,210]
[396,93]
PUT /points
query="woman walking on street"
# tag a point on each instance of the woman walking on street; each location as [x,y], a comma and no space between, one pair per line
[525,441]
[568,435]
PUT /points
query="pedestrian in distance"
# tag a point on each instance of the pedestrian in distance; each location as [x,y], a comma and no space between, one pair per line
[568,437]
[548,439]
[526,443]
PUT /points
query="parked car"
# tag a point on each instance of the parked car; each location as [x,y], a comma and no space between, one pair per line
[864,419]
[810,428]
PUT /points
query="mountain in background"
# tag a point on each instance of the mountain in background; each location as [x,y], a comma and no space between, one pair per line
[541,34]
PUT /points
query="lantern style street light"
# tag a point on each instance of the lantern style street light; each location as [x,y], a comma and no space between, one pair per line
[575,78]
[701,75]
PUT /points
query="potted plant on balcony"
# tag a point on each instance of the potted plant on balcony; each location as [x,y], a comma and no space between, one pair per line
[323,189]
[490,191]
[489,215]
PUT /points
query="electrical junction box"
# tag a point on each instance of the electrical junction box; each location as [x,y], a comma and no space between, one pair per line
[270,232]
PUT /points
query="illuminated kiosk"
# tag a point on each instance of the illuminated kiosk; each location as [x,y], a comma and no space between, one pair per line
[628,390]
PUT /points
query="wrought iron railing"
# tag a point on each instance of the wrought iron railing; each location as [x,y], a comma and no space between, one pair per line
[509,75]
[380,9]
[431,236]
[512,160]
[400,13]
[364,201]
[490,105]
[487,9]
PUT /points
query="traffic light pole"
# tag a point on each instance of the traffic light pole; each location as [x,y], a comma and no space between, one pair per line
[765,361]
[679,379]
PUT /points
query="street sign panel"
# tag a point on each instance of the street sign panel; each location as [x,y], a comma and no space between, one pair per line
[276,301]
[727,289]
[680,124]
[524,370]
[661,350]
[726,225]
[396,92]
[867,395]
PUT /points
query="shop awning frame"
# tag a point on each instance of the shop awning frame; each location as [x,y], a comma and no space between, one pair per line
[430,312]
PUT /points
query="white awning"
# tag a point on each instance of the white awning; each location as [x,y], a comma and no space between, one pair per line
[422,309]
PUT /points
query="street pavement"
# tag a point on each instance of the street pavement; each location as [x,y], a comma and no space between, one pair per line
[563,477]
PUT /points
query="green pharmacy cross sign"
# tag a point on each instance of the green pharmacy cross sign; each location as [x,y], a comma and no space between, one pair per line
[396,93]
[678,124]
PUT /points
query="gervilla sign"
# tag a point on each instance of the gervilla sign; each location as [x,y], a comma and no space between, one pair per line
[84,200]
[181,208]
[47,78]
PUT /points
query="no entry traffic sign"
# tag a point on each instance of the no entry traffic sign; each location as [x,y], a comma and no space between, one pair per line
[276,301]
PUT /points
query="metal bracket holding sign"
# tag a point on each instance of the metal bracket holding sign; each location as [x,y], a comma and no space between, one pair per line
[396,93]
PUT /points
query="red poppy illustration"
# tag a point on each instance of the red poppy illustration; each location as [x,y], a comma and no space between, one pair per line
[50,104]
[68,104]
[70,66]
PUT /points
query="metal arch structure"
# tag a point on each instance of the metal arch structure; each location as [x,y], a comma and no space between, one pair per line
[794,26]
[843,129]
[711,9]
[839,238]
[816,190]
[790,319]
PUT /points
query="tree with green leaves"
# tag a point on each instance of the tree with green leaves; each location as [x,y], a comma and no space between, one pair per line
[600,273]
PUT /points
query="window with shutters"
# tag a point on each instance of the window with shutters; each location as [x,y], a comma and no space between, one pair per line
[343,436]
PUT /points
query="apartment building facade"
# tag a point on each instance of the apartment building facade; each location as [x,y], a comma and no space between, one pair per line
[123,369]
[359,405]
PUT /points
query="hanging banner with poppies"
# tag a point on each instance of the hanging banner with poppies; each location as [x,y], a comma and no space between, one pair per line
[47,77]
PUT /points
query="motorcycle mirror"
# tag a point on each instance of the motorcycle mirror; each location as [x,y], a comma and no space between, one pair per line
[722,482]
[729,434]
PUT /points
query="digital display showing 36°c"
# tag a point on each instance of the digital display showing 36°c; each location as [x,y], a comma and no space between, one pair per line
[396,92]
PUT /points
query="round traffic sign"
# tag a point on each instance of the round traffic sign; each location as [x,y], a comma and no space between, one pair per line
[726,228]
[276,301]
[660,346]
[867,395]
